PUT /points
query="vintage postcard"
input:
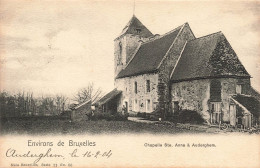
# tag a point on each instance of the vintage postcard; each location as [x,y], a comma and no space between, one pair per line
[129,83]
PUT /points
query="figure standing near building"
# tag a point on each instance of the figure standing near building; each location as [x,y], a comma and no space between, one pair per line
[123,110]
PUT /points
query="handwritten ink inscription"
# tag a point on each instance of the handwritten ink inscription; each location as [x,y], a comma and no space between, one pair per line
[81,149]
[97,154]
[13,153]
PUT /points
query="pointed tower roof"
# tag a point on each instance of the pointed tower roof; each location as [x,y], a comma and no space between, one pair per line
[135,27]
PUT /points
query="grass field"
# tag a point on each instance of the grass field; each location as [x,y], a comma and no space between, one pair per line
[63,126]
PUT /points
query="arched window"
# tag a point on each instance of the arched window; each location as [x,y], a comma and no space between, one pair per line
[120,48]
[119,59]
[215,91]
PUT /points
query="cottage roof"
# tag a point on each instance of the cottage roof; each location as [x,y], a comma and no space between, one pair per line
[250,103]
[82,104]
[208,56]
[135,27]
[149,55]
[108,97]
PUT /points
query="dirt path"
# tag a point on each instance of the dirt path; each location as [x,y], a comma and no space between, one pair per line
[139,119]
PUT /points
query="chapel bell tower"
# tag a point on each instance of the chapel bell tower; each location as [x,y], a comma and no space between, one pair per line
[128,41]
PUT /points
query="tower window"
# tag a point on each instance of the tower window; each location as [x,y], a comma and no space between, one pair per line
[135,87]
[239,89]
[119,60]
[148,86]
[138,31]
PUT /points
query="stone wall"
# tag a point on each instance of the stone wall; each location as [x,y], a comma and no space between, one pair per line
[126,85]
[192,95]
[81,113]
[195,95]
[167,66]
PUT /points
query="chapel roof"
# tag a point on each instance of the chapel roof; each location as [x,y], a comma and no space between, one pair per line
[149,55]
[208,56]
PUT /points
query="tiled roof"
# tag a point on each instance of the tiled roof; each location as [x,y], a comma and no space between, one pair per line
[250,103]
[82,104]
[108,97]
[134,24]
[207,57]
[149,55]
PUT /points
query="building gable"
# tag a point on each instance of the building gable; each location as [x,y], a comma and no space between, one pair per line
[208,56]
[224,60]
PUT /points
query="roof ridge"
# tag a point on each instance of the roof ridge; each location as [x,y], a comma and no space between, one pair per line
[236,54]
[215,45]
[173,30]
[130,22]
[165,34]
[172,44]
[176,64]
[85,102]
[219,32]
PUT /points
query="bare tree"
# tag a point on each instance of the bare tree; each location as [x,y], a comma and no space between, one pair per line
[60,101]
[24,104]
[88,93]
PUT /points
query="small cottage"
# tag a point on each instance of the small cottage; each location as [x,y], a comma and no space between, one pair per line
[81,112]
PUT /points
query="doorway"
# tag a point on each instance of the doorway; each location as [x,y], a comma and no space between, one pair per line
[176,107]
[126,106]
[215,115]
[232,114]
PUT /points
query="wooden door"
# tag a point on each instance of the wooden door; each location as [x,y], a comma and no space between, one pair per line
[215,109]
[247,122]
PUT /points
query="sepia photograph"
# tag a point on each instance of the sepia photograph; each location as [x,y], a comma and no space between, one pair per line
[166,78]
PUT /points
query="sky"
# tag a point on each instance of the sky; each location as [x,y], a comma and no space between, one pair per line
[58,47]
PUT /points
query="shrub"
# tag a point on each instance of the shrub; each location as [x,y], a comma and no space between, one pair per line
[138,114]
[143,115]
[109,117]
[189,116]
[155,116]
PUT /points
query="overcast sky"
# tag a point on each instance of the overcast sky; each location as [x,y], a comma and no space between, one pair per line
[53,47]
